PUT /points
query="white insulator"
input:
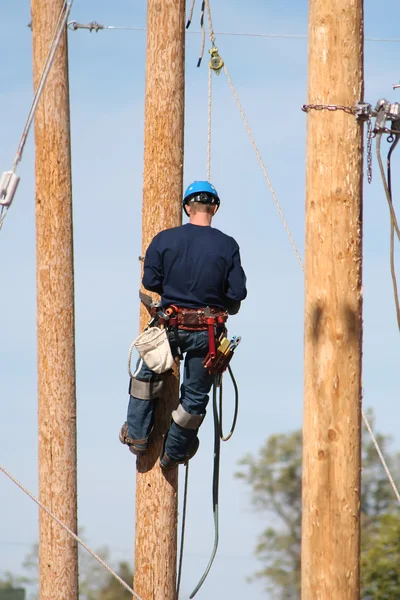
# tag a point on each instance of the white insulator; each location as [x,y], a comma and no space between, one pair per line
[8,186]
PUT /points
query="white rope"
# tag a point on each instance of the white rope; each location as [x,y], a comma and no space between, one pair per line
[203,34]
[190,14]
[209,124]
[299,260]
[282,216]
[210,25]
[71,533]
[368,426]
[131,347]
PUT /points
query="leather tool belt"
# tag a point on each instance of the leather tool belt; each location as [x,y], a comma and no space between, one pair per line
[195,319]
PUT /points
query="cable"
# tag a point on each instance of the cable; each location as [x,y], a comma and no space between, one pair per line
[55,41]
[180,561]
[71,533]
[392,264]
[223,437]
[215,493]
[75,26]
[393,220]
[62,20]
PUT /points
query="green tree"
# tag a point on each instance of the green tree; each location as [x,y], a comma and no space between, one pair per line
[95,582]
[8,581]
[380,559]
[275,479]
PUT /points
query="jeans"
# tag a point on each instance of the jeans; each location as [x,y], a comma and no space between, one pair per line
[194,392]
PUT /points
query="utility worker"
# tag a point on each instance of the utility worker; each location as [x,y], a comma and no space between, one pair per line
[194,268]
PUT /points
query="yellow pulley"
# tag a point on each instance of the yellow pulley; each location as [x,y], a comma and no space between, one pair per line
[216,63]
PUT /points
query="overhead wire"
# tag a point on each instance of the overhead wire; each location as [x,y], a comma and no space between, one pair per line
[71,533]
[74,25]
[55,41]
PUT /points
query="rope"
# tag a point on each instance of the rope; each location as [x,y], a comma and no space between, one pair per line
[209,123]
[210,25]
[190,14]
[253,142]
[203,34]
[71,533]
[393,221]
[381,457]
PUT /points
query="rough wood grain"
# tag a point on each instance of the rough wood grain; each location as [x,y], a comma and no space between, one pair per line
[333,306]
[156,494]
[55,313]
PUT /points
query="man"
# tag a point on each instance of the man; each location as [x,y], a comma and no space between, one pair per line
[193,267]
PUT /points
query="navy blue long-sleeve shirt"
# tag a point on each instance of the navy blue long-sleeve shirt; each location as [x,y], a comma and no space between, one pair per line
[195,266]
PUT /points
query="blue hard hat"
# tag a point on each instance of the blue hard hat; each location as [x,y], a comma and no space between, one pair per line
[201,191]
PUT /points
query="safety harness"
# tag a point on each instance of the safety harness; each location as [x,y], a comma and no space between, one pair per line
[213,320]
[220,353]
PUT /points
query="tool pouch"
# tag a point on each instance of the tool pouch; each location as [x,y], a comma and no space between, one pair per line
[153,347]
[218,363]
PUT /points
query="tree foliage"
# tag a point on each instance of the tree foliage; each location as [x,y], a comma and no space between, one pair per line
[95,582]
[275,480]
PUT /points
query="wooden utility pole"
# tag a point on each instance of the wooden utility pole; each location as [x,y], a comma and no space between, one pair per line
[156,493]
[58,575]
[333,306]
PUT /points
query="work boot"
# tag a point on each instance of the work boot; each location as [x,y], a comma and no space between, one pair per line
[167,464]
[138,447]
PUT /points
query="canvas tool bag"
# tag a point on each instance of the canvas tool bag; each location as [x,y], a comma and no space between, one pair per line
[153,347]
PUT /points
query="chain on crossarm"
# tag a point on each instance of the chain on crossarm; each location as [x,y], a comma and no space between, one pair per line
[362,111]
[331,107]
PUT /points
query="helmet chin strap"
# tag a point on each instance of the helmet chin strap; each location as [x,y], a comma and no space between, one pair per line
[202,198]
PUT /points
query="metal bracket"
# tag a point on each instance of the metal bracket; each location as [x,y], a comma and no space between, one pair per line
[363,111]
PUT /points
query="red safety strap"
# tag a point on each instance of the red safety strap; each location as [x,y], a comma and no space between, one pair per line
[211,337]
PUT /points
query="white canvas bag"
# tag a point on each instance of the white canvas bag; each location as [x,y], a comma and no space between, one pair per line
[153,347]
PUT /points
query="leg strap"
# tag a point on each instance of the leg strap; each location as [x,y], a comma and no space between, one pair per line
[185,419]
[145,390]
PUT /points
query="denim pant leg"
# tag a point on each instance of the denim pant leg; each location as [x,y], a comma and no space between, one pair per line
[140,412]
[194,398]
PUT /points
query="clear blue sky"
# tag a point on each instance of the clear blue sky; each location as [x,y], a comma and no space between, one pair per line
[107,95]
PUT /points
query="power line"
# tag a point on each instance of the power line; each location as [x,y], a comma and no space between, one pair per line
[94,26]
